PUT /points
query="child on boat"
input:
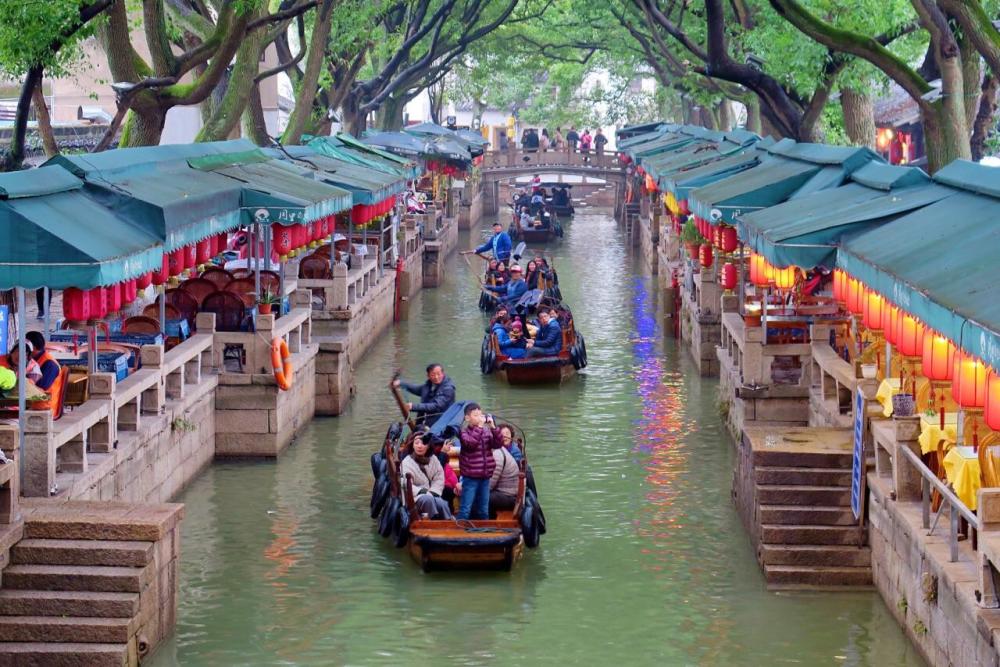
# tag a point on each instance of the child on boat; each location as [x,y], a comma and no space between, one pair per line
[479,438]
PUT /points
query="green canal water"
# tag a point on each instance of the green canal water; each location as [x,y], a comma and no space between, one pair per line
[645,561]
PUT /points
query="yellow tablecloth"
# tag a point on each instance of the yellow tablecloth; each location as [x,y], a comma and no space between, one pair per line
[890,387]
[930,431]
[961,467]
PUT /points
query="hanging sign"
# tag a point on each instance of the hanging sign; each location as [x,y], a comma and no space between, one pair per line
[858,462]
[4,328]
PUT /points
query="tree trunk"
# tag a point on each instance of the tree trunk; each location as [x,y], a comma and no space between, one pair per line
[226,116]
[14,155]
[942,143]
[859,117]
[390,114]
[725,115]
[254,125]
[983,124]
[353,120]
[308,87]
[143,129]
[753,114]
[44,122]
[971,79]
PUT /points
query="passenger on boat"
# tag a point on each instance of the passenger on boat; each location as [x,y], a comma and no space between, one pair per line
[513,348]
[523,199]
[502,275]
[479,438]
[502,314]
[499,244]
[503,482]
[436,395]
[532,276]
[513,290]
[536,184]
[427,476]
[507,435]
[491,270]
[538,201]
[526,221]
[548,340]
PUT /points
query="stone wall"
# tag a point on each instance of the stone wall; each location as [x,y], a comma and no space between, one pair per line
[649,238]
[933,600]
[253,417]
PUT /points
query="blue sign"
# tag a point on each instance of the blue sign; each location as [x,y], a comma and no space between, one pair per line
[858,463]
[4,328]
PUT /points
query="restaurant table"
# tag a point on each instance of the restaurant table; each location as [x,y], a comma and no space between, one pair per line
[889,387]
[961,466]
[930,431]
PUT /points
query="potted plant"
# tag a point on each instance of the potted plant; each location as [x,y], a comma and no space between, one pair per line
[266,302]
[691,239]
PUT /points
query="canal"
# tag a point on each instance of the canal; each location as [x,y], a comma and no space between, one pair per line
[645,561]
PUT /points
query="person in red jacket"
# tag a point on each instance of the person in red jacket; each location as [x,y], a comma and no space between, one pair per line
[479,438]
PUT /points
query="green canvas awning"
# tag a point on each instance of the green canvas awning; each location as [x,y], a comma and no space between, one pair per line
[805,231]
[376,157]
[939,262]
[681,182]
[155,188]
[667,142]
[53,234]
[630,132]
[691,156]
[273,191]
[367,186]
[790,167]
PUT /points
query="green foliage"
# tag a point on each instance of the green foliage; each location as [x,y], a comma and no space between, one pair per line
[28,29]
[690,233]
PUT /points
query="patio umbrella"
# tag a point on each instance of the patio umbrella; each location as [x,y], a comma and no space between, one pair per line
[398,142]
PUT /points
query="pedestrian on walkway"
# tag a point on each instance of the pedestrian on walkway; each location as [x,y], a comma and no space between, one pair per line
[599,141]
[571,139]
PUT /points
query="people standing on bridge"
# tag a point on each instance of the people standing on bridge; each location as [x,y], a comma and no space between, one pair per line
[543,141]
[585,141]
[436,395]
[599,141]
[571,139]
[558,141]
[502,142]
[499,244]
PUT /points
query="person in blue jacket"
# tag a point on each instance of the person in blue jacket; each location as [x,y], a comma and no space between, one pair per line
[548,338]
[511,292]
[499,244]
[512,348]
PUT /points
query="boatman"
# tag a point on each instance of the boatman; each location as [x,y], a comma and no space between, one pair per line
[511,292]
[499,244]
[436,395]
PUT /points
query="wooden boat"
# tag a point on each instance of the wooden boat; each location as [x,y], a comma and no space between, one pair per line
[544,234]
[451,544]
[537,370]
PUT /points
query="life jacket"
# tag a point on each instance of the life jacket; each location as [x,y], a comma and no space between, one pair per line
[55,391]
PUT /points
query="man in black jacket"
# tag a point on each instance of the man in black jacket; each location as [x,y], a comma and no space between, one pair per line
[436,395]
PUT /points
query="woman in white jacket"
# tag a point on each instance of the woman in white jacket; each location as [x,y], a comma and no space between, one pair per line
[427,477]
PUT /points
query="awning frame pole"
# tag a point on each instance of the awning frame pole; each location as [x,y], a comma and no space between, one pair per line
[22,373]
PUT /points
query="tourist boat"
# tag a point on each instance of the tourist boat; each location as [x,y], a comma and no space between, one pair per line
[548,288]
[451,545]
[537,370]
[550,230]
[560,202]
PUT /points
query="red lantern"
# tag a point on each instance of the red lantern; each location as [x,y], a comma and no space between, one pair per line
[992,409]
[301,235]
[938,357]
[968,386]
[855,296]
[784,279]
[839,286]
[758,270]
[728,240]
[176,262]
[889,323]
[98,302]
[76,304]
[160,277]
[190,256]
[909,335]
[281,240]
[129,290]
[222,242]
[144,281]
[874,310]
[727,277]
[114,295]
[705,255]
[203,251]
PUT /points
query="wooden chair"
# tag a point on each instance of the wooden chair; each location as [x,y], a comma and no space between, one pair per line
[152,311]
[198,288]
[241,273]
[230,311]
[315,267]
[245,289]
[140,324]
[218,277]
[270,281]
[185,304]
[989,460]
[940,450]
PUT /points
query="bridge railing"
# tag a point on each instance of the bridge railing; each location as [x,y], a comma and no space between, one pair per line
[521,158]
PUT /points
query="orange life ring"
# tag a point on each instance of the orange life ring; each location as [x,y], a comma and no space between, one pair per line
[281,364]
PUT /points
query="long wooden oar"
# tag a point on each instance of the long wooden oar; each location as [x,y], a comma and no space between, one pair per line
[398,395]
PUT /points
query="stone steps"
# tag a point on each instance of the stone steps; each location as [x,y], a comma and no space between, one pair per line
[815,555]
[112,553]
[811,460]
[44,654]
[803,495]
[802,476]
[816,515]
[817,577]
[77,578]
[65,630]
[818,535]
[15,602]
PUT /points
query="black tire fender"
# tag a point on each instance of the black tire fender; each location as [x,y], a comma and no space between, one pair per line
[388,518]
[380,493]
[401,527]
[377,461]
[529,526]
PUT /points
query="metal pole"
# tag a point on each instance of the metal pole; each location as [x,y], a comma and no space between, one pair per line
[47,302]
[92,349]
[22,374]
[763,313]
[255,237]
[163,309]
[742,286]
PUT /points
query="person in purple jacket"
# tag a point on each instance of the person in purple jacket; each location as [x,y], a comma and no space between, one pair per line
[479,437]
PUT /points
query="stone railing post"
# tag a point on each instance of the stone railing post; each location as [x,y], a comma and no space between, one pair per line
[154,399]
[39,454]
[336,296]
[205,323]
[259,357]
[10,490]
[104,434]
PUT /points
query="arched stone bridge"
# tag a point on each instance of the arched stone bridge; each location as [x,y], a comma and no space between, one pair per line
[597,180]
